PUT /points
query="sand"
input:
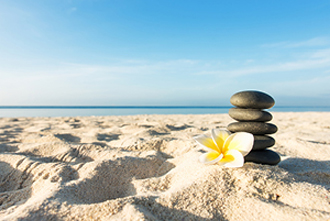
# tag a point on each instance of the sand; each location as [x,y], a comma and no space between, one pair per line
[146,168]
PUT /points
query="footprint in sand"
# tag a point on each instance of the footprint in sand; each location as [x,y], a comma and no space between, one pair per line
[68,138]
[107,137]
[15,186]
[8,148]
[112,179]
[22,178]
[178,127]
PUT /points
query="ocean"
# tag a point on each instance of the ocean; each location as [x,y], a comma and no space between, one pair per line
[72,111]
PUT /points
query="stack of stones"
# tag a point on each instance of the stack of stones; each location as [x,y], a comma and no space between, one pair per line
[252,119]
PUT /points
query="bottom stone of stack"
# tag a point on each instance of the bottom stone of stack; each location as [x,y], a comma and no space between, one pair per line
[263,157]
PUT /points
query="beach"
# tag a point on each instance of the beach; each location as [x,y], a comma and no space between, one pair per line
[145,167]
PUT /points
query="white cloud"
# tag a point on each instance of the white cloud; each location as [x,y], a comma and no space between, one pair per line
[163,81]
[132,67]
[280,67]
[319,41]
[314,42]
[72,10]
[307,87]
[313,60]
[323,53]
[122,82]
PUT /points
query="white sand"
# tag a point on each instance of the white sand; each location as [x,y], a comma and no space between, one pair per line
[146,168]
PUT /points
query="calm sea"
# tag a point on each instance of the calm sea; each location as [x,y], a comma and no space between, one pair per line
[64,111]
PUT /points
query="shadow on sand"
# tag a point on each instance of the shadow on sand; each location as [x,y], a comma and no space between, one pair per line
[311,171]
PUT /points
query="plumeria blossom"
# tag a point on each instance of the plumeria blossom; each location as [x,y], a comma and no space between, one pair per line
[225,148]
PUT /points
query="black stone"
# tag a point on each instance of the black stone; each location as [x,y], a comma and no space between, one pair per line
[263,157]
[262,142]
[252,99]
[256,128]
[243,114]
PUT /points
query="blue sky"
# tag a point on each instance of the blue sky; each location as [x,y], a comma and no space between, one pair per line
[147,52]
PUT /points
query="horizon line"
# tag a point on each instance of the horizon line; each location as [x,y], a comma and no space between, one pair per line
[137,106]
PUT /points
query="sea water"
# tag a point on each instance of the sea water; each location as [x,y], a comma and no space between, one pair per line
[53,111]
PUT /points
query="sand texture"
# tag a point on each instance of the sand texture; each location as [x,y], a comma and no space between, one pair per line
[146,168]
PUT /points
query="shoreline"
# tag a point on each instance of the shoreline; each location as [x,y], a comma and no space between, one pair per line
[119,111]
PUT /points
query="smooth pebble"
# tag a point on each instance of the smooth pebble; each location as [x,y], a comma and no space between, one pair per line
[263,157]
[262,142]
[243,114]
[252,99]
[256,128]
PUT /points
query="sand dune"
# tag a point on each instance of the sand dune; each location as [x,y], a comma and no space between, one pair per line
[146,168]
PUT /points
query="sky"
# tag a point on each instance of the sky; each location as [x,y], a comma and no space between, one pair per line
[164,52]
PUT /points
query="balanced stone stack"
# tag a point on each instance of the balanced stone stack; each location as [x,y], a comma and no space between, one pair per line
[252,118]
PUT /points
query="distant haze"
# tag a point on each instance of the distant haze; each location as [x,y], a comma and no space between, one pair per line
[95,52]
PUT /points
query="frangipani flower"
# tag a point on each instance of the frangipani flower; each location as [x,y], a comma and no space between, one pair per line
[225,148]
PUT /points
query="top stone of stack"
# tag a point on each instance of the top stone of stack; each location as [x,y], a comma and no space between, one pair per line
[252,99]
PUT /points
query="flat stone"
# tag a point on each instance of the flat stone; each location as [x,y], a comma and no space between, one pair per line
[263,157]
[256,128]
[252,99]
[262,142]
[243,114]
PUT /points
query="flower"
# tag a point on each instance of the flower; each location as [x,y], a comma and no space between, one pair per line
[225,148]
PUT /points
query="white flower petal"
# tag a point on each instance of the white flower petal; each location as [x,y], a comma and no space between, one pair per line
[241,141]
[233,158]
[210,157]
[207,142]
[219,137]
